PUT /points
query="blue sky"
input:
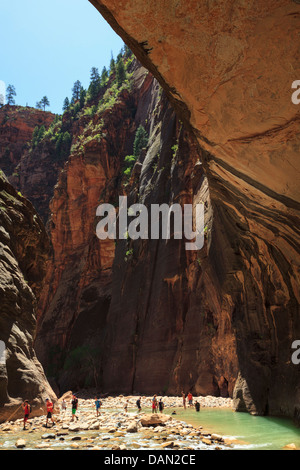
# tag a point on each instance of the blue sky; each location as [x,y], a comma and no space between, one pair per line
[47,45]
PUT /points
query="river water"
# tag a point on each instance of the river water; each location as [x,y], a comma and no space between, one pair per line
[252,432]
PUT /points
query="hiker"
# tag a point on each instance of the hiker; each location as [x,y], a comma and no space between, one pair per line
[126,406]
[154,404]
[183,399]
[27,408]
[49,405]
[161,406]
[63,406]
[74,403]
[190,399]
[197,406]
[138,404]
[98,406]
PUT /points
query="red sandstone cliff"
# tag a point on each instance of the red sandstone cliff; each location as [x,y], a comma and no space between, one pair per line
[16,127]
[32,171]
[228,68]
[152,310]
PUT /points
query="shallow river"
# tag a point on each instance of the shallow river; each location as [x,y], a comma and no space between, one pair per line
[252,432]
[256,432]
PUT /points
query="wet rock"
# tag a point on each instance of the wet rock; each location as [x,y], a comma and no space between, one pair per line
[206,441]
[290,447]
[132,428]
[48,436]
[154,420]
[75,427]
[217,437]
[20,444]
[168,445]
[94,426]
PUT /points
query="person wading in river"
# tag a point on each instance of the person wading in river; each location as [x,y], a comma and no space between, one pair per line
[27,408]
[138,404]
[190,399]
[74,403]
[161,406]
[154,404]
[98,406]
[49,405]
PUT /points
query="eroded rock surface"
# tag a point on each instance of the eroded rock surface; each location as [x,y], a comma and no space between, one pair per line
[228,68]
[23,252]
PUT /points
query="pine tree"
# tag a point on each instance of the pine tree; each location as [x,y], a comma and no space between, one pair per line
[41,133]
[45,102]
[104,76]
[10,93]
[120,72]
[140,141]
[66,104]
[112,65]
[35,136]
[76,91]
[82,97]
[95,77]
[94,87]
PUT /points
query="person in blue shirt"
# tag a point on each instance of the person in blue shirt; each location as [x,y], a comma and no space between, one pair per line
[98,406]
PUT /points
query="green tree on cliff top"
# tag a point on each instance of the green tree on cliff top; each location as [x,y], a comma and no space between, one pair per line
[10,93]
[76,91]
[45,102]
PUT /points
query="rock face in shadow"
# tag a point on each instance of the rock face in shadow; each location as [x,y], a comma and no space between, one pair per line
[228,68]
[23,252]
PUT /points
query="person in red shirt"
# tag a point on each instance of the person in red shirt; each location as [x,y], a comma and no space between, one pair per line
[154,404]
[27,409]
[190,399]
[50,407]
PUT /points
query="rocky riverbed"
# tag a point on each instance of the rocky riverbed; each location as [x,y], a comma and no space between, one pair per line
[114,428]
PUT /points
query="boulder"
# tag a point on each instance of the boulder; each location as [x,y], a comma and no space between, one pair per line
[20,444]
[154,420]
[133,427]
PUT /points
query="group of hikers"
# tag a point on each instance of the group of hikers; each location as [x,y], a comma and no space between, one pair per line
[50,410]
[157,406]
[189,397]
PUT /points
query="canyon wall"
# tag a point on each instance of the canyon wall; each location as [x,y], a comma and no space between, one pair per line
[133,316]
[24,249]
[227,68]
[77,293]
[17,124]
